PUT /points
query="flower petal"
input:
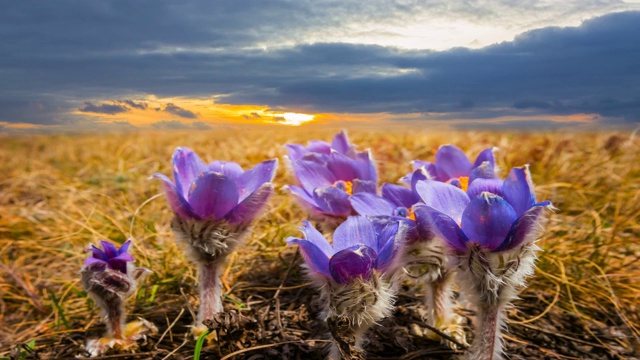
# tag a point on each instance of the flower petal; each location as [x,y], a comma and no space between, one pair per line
[332,200]
[353,263]
[363,186]
[523,230]
[430,168]
[110,250]
[452,163]
[389,244]
[356,230]
[124,247]
[486,155]
[296,151]
[313,175]
[487,220]
[247,210]
[518,189]
[228,168]
[399,195]
[177,201]
[92,260]
[340,143]
[316,259]
[186,167]
[319,146]
[486,170]
[367,166]
[342,167]
[213,195]
[479,186]
[254,178]
[417,175]
[443,197]
[442,226]
[302,198]
[97,253]
[313,235]
[371,204]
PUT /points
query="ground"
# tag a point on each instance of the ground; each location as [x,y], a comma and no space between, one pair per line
[60,193]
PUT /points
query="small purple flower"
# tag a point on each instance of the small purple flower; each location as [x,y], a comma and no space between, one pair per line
[360,247]
[217,191]
[330,174]
[453,166]
[497,215]
[111,256]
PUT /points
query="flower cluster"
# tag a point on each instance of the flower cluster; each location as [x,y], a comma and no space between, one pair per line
[451,221]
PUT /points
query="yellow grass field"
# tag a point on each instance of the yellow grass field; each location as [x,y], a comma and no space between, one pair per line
[60,193]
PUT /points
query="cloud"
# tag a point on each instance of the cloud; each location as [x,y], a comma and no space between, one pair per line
[109,109]
[176,52]
[199,125]
[176,110]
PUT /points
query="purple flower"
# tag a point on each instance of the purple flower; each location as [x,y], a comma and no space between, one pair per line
[453,166]
[497,215]
[217,191]
[110,256]
[330,174]
[360,246]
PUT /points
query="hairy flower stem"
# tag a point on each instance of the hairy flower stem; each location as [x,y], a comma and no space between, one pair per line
[487,344]
[210,290]
[115,318]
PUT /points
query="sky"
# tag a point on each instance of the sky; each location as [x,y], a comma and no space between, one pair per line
[162,64]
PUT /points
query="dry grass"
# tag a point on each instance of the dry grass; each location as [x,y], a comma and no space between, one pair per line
[59,193]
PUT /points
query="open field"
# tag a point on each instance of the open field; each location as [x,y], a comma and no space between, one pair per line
[60,193]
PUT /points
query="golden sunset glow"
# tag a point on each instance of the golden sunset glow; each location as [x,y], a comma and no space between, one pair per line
[296,119]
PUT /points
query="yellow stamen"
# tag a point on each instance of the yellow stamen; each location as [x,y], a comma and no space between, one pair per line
[412,215]
[347,186]
[464,183]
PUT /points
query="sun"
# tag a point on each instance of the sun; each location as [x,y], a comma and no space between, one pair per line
[295,119]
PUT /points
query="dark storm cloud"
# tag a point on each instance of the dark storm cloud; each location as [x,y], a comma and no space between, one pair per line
[177,110]
[98,50]
[110,109]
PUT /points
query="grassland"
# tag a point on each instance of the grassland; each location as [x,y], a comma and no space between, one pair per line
[59,193]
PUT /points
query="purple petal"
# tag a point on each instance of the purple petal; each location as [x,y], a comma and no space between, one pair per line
[371,204]
[123,257]
[316,259]
[443,197]
[524,229]
[341,143]
[124,247]
[296,151]
[518,190]
[342,167]
[417,175]
[98,253]
[388,245]
[430,168]
[186,167]
[332,200]
[452,162]
[252,179]
[110,250]
[367,166]
[314,236]
[442,226]
[228,168]
[479,186]
[485,155]
[487,220]
[350,264]
[313,175]
[319,146]
[359,186]
[356,230]
[118,265]
[178,203]
[213,195]
[399,195]
[486,170]
[245,212]
[305,200]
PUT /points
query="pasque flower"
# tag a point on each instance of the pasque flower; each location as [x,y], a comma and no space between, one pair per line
[453,166]
[328,175]
[423,258]
[214,206]
[109,277]
[353,275]
[491,230]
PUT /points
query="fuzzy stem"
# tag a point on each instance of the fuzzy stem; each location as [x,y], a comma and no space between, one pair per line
[115,318]
[487,344]
[439,301]
[210,291]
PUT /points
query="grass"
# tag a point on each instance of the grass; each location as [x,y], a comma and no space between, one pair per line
[59,193]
